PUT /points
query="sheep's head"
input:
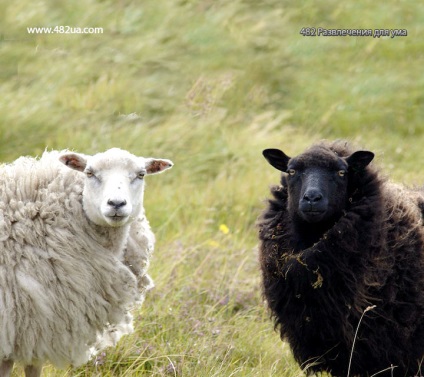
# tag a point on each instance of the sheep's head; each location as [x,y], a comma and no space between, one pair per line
[317,180]
[114,183]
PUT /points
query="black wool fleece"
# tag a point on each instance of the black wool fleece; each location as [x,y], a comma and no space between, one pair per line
[373,254]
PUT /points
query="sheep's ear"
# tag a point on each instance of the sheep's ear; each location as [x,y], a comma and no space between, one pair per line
[278,159]
[74,161]
[155,165]
[357,161]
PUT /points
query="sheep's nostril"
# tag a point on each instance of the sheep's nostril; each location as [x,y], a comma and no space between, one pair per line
[116,203]
[312,196]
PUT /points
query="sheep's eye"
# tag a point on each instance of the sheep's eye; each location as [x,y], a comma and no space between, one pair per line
[341,173]
[291,171]
[140,175]
[89,174]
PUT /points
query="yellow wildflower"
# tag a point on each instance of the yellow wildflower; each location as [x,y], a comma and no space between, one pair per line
[224,229]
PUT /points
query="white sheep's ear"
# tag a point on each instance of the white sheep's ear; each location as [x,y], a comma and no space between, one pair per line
[155,165]
[74,161]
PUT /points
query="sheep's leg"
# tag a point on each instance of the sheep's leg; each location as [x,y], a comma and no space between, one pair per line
[33,371]
[6,368]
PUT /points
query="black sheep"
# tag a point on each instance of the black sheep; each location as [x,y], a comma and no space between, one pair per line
[335,241]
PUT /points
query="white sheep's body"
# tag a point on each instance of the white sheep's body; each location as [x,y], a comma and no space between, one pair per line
[66,283]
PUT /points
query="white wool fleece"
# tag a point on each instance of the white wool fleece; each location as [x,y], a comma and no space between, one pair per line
[64,281]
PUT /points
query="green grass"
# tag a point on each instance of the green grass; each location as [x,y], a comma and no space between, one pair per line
[209,84]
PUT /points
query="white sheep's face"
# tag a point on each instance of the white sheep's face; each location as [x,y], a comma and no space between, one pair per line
[114,183]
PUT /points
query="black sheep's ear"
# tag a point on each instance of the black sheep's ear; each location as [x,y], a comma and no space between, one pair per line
[357,161]
[278,159]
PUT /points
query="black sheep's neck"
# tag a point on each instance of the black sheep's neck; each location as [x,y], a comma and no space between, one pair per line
[305,235]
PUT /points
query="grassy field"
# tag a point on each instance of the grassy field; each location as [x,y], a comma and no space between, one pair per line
[209,84]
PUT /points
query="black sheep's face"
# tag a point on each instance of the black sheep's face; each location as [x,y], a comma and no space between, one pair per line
[316,194]
[317,181]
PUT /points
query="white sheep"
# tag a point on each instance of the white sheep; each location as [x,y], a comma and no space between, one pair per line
[74,250]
